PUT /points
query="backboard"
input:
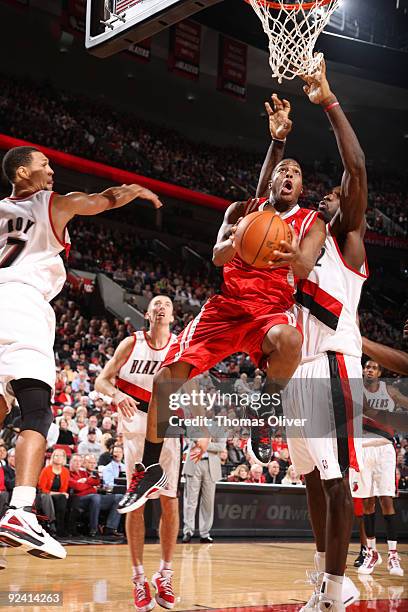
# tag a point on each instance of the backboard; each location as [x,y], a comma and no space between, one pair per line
[113,25]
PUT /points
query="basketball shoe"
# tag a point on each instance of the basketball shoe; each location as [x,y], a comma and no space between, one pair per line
[325,604]
[162,582]
[144,602]
[259,443]
[350,592]
[372,559]
[19,527]
[144,482]
[361,556]
[394,566]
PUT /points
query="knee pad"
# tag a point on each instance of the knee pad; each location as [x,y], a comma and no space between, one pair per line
[34,399]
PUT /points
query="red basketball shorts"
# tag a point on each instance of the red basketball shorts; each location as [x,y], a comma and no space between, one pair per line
[225,326]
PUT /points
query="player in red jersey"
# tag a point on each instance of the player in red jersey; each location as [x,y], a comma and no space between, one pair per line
[250,315]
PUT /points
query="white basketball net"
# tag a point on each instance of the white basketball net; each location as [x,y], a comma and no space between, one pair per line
[293,29]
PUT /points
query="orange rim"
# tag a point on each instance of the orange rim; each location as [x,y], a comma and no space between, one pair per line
[295,5]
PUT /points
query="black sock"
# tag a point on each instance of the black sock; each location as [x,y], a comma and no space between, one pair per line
[369,524]
[390,525]
[151,453]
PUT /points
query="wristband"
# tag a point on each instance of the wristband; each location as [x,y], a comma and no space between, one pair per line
[331,105]
[279,140]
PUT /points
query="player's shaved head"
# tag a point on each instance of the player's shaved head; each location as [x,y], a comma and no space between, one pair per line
[288,161]
[16,157]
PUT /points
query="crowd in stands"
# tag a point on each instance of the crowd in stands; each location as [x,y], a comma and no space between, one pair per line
[94,130]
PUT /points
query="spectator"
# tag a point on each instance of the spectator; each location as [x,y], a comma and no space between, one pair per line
[241,386]
[85,483]
[107,444]
[284,461]
[278,444]
[291,477]
[274,475]
[53,485]
[65,397]
[65,436]
[226,465]
[235,452]
[92,424]
[256,474]
[91,446]
[107,425]
[240,474]
[3,455]
[113,469]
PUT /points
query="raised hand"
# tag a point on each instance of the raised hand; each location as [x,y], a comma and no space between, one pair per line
[126,404]
[317,87]
[278,112]
[146,194]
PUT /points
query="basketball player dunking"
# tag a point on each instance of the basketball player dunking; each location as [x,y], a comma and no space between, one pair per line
[128,379]
[331,356]
[32,235]
[250,315]
[377,475]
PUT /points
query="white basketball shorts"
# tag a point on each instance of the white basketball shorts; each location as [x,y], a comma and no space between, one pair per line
[377,475]
[134,434]
[326,396]
[27,332]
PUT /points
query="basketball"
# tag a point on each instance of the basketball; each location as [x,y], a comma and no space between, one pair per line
[258,235]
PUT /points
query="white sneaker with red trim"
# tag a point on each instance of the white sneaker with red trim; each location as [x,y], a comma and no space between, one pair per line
[350,592]
[162,582]
[394,566]
[19,527]
[372,559]
[144,602]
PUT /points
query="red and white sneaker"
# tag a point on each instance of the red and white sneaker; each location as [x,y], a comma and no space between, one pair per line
[372,559]
[19,527]
[162,582]
[394,566]
[144,602]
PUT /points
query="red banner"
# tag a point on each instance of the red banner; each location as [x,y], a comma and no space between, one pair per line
[185,46]
[394,242]
[141,50]
[232,67]
[74,17]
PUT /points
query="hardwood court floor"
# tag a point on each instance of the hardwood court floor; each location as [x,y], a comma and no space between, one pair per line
[249,577]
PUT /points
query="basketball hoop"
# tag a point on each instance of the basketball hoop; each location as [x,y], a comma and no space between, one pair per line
[292,29]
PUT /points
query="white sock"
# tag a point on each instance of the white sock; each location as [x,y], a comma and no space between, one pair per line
[371,543]
[332,586]
[165,565]
[23,496]
[138,574]
[392,545]
[320,561]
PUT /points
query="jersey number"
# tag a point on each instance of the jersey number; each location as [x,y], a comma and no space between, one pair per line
[13,248]
[322,252]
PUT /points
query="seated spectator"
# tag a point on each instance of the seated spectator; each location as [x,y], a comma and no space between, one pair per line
[241,385]
[65,397]
[226,465]
[291,477]
[278,444]
[68,413]
[91,446]
[92,424]
[3,455]
[256,474]
[107,425]
[85,483]
[53,485]
[235,452]
[65,436]
[284,461]
[107,444]
[274,475]
[240,474]
[113,469]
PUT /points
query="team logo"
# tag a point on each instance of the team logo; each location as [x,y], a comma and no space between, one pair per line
[325,464]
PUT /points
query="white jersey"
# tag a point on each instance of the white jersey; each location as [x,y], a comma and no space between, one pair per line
[135,376]
[374,433]
[327,303]
[29,246]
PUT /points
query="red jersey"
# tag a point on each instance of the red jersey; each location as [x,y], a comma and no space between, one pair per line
[243,281]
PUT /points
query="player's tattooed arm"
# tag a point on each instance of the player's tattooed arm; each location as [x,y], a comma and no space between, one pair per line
[396,420]
[224,249]
[392,359]
[104,383]
[279,126]
[353,195]
[65,207]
